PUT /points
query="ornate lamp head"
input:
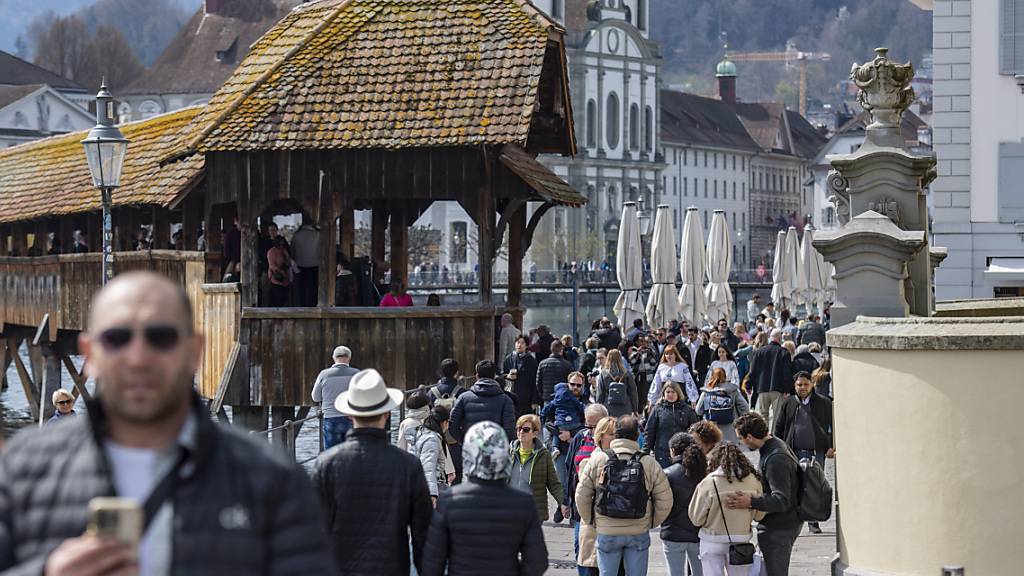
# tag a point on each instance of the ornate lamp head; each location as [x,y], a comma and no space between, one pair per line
[885,93]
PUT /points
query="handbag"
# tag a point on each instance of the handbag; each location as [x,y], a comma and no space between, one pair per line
[740,554]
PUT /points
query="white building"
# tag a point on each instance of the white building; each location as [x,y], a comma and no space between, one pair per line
[978,136]
[36,103]
[708,154]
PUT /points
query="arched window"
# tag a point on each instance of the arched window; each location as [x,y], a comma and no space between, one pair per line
[648,129]
[591,123]
[611,122]
[634,127]
[641,14]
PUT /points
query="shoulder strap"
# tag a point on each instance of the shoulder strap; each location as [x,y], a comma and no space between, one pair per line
[722,508]
[162,491]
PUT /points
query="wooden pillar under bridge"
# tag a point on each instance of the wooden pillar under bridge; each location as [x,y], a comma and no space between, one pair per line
[65,236]
[40,238]
[94,231]
[161,221]
[485,249]
[346,227]
[5,246]
[328,221]
[252,418]
[19,240]
[516,228]
[378,239]
[399,245]
[278,416]
[50,381]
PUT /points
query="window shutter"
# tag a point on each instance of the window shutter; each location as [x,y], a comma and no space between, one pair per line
[1011,37]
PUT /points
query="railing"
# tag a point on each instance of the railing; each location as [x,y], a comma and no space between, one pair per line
[546,278]
[291,428]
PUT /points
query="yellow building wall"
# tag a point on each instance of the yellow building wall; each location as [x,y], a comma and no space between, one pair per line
[930,460]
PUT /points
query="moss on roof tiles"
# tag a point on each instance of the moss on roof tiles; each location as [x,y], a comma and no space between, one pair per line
[50,177]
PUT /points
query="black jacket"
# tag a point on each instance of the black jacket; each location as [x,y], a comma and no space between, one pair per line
[771,369]
[731,341]
[804,362]
[525,384]
[608,337]
[485,400]
[663,423]
[702,363]
[482,527]
[678,527]
[811,332]
[49,475]
[821,410]
[542,347]
[780,481]
[374,496]
[552,370]
[588,360]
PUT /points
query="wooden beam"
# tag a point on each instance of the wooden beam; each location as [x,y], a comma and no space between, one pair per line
[161,221]
[231,370]
[65,237]
[534,222]
[511,207]
[399,245]
[5,246]
[378,238]
[485,250]
[27,385]
[19,240]
[77,377]
[94,231]
[516,231]
[5,363]
[40,235]
[250,263]
[328,248]
[347,225]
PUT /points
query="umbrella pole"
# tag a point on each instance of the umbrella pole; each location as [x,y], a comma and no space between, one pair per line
[575,307]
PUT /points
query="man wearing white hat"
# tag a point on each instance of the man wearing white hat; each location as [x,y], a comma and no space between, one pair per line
[374,495]
[330,383]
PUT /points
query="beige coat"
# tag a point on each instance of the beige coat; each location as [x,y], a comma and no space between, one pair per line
[707,514]
[588,536]
[658,507]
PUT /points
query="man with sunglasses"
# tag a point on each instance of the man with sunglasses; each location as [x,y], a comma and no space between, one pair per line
[215,500]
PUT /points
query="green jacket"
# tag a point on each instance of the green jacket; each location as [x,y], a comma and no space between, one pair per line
[540,468]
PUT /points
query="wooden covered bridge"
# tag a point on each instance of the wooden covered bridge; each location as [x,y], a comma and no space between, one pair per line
[345,105]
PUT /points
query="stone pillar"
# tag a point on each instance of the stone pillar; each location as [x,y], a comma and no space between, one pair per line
[882,175]
[870,255]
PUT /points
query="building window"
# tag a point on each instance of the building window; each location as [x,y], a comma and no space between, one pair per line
[675,156]
[1011,37]
[459,243]
[686,187]
[591,123]
[743,164]
[675,186]
[705,219]
[743,219]
[733,190]
[641,14]
[743,192]
[634,127]
[675,218]
[612,120]
[648,128]
[686,157]
[556,9]
[715,189]
[705,158]
[705,185]
[734,221]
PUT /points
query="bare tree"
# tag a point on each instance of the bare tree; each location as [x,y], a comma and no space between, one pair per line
[66,47]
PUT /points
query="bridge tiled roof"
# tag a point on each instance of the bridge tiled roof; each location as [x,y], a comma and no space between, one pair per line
[50,177]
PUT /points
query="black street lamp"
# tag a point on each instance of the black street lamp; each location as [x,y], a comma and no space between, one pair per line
[105,147]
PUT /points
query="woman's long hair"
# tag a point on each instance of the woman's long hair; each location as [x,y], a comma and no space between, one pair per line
[733,463]
[694,462]
[613,363]
[438,415]
[823,371]
[717,377]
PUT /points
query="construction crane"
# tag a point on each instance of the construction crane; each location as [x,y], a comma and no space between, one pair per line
[789,57]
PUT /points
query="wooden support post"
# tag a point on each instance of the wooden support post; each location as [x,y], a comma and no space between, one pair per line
[94,231]
[5,246]
[40,238]
[253,418]
[485,249]
[161,221]
[78,377]
[190,216]
[27,385]
[399,246]
[213,231]
[19,240]
[278,416]
[347,227]
[250,264]
[516,228]
[5,363]
[50,381]
[65,237]
[328,215]
[378,238]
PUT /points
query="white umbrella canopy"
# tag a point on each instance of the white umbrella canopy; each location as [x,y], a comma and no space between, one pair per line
[719,264]
[629,268]
[691,269]
[798,282]
[780,281]
[810,267]
[662,305]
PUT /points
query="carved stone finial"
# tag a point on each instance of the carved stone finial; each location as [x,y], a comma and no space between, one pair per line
[885,91]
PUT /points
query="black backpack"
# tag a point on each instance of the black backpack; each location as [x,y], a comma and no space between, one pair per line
[617,395]
[622,489]
[719,406]
[814,493]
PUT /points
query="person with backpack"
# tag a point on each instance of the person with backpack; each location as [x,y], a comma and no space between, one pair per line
[805,425]
[623,493]
[444,393]
[780,484]
[417,408]
[566,410]
[616,388]
[725,532]
[580,448]
[485,400]
[519,369]
[671,415]
[680,539]
[722,402]
[552,370]
[429,446]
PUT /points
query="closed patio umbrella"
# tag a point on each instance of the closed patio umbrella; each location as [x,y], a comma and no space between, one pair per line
[691,265]
[629,268]
[662,305]
[810,268]
[719,264]
[798,284]
[780,279]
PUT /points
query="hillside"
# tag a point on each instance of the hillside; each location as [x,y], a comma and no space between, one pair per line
[691,37]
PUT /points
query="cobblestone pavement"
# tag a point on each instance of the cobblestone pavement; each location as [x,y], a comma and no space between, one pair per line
[812,554]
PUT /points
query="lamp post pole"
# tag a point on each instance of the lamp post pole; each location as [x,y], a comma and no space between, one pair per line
[105,147]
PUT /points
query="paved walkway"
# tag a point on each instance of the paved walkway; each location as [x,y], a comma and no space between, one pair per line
[812,555]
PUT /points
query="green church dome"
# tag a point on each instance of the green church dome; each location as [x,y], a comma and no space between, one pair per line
[725,68]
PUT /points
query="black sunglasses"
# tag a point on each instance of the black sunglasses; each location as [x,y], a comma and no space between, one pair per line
[526,429]
[160,337]
[63,402]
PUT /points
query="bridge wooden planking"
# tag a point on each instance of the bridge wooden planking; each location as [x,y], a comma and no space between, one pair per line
[220,320]
[288,347]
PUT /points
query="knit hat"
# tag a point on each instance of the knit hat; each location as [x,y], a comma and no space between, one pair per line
[485,453]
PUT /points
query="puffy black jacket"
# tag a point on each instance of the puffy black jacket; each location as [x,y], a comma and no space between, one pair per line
[525,384]
[240,507]
[771,369]
[552,370]
[663,423]
[678,527]
[484,401]
[374,496]
[482,527]
[804,362]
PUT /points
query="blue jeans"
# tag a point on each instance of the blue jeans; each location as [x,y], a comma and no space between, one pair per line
[677,554]
[628,550]
[335,430]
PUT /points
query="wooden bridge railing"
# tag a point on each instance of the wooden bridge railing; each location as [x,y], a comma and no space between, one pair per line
[63,286]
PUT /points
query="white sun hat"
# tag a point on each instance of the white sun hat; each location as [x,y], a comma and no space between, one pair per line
[368,395]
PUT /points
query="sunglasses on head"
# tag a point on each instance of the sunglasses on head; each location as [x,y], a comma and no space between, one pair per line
[526,429]
[160,337]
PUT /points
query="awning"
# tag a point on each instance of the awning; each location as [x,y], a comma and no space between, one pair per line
[1005,269]
[537,176]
